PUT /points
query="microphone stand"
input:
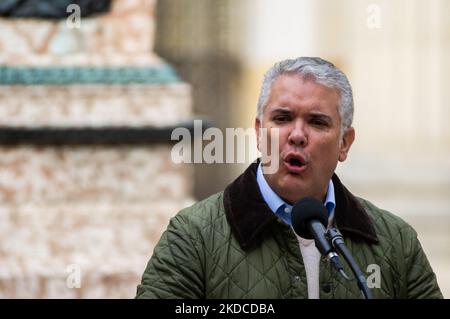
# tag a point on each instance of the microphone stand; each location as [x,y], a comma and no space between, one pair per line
[337,241]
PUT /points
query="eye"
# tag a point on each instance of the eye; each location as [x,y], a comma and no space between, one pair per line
[281,118]
[318,122]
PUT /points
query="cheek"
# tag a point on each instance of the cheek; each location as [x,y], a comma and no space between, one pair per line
[283,135]
[327,151]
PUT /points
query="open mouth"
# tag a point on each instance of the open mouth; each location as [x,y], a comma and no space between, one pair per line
[295,163]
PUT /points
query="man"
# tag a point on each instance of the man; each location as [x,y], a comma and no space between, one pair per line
[239,243]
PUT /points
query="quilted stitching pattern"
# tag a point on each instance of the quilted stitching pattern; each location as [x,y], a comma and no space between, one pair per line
[198,257]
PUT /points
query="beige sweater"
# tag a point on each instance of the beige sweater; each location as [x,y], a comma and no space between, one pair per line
[311,260]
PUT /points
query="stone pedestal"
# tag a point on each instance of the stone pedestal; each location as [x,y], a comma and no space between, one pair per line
[80,213]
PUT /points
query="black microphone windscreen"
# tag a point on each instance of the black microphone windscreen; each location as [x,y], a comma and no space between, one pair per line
[305,210]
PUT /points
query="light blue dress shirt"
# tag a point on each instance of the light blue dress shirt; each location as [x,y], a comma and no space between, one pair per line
[283,209]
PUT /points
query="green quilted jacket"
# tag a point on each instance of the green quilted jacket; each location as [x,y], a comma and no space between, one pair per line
[231,245]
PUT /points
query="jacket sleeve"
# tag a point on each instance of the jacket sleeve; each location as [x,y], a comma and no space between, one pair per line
[174,270]
[421,281]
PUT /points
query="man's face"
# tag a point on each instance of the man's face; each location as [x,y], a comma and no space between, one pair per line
[307,116]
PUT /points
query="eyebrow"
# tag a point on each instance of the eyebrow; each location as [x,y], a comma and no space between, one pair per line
[281,111]
[286,111]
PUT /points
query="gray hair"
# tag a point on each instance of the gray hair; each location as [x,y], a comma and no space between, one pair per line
[321,72]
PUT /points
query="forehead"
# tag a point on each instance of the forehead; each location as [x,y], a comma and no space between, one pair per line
[293,92]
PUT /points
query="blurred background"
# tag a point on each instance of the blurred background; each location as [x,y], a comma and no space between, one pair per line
[89,96]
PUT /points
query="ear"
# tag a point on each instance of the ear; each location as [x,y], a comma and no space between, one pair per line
[258,132]
[346,143]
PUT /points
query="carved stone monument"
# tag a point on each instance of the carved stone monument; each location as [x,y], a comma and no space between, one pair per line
[51,9]
[87,184]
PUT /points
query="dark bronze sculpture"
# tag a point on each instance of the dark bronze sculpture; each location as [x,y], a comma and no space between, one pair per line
[51,9]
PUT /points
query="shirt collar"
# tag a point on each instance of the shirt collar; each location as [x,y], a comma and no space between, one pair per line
[282,209]
[271,198]
[330,200]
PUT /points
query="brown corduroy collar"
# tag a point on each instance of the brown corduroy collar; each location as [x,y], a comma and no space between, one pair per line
[249,215]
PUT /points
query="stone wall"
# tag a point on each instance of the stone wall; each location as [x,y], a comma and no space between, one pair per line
[79,217]
[99,208]
[94,105]
[127,29]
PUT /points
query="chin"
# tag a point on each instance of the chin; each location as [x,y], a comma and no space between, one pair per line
[294,190]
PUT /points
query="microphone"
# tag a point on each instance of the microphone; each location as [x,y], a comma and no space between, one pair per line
[309,220]
[338,243]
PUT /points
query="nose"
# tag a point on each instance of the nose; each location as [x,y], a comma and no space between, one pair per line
[298,135]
